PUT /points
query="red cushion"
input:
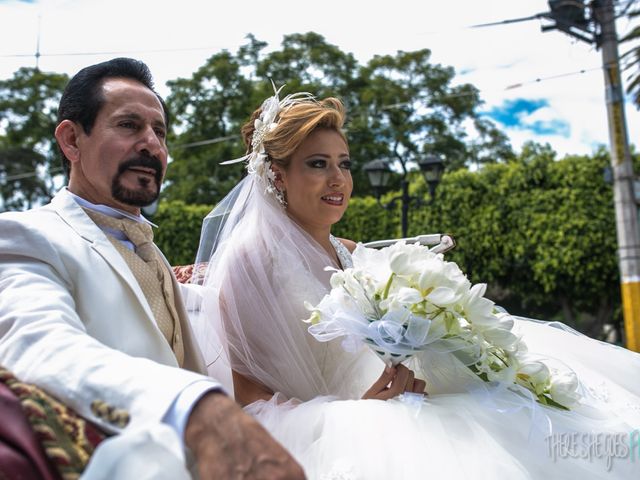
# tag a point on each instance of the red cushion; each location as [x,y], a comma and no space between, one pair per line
[52,439]
[21,455]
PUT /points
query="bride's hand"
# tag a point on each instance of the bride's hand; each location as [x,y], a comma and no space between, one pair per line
[393,382]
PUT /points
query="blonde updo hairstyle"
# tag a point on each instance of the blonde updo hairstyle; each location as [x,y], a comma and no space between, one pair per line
[295,123]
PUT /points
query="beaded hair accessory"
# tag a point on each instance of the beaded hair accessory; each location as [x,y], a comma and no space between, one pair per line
[258,161]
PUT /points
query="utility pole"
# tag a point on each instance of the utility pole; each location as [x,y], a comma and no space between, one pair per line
[623,179]
[571,17]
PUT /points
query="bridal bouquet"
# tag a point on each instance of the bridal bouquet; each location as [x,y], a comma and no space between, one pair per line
[404,299]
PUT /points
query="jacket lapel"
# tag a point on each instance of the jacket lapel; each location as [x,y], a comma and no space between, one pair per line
[193,359]
[73,215]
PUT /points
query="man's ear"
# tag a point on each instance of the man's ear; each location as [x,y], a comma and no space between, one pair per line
[67,134]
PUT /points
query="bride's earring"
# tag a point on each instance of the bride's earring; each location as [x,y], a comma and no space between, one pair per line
[279,191]
[281,196]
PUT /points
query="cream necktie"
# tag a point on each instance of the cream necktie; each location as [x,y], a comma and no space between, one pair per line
[138,233]
[141,235]
[158,291]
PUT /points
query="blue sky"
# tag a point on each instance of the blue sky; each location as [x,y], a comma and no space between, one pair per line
[511,114]
[545,87]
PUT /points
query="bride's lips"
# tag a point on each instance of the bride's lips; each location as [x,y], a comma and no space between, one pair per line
[333,199]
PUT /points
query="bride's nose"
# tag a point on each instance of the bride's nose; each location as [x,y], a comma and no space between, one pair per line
[336,177]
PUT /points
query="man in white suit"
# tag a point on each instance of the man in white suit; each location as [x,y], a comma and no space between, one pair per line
[79,316]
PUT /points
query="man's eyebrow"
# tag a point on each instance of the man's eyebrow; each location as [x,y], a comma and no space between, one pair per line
[132,115]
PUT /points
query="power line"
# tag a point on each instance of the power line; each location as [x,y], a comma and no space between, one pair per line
[38,53]
[508,87]
[205,142]
[537,16]
[122,52]
[552,77]
[19,176]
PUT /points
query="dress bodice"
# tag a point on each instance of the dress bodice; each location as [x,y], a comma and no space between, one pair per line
[344,256]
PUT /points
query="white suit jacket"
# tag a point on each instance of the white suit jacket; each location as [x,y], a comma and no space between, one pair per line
[74,321]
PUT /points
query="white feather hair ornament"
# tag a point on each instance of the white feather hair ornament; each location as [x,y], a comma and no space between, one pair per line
[258,162]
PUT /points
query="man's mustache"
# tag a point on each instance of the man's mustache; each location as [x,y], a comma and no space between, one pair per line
[147,161]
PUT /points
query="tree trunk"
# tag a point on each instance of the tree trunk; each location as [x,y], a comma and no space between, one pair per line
[567,311]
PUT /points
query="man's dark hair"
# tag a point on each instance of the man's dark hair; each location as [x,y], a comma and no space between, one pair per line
[82,98]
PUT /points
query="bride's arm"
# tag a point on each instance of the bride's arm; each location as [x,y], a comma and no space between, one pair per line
[391,383]
[247,391]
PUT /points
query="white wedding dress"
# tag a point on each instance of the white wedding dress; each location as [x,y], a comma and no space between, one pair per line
[263,270]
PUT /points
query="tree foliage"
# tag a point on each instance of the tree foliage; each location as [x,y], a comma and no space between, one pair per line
[179,234]
[539,231]
[399,107]
[28,103]
[630,58]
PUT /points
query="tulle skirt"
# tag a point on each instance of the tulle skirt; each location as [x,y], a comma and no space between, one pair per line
[477,433]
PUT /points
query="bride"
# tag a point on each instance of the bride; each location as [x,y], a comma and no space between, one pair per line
[267,245]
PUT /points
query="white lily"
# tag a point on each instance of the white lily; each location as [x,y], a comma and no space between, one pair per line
[500,337]
[564,389]
[477,309]
[401,264]
[534,374]
[505,375]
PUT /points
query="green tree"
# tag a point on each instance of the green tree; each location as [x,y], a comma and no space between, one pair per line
[399,107]
[209,109]
[218,99]
[630,58]
[28,159]
[306,62]
[491,145]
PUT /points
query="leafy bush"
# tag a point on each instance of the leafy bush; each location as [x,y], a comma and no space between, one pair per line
[178,234]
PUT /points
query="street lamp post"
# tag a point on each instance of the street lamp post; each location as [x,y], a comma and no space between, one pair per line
[432,168]
[379,174]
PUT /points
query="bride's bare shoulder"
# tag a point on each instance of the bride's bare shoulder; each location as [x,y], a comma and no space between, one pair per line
[350,244]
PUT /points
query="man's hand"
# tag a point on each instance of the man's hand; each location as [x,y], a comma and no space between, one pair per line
[229,444]
[393,382]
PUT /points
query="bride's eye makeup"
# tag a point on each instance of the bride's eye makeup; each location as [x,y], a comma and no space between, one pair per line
[317,163]
[321,163]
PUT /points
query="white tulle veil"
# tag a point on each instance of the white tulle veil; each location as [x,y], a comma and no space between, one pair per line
[261,267]
[258,267]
